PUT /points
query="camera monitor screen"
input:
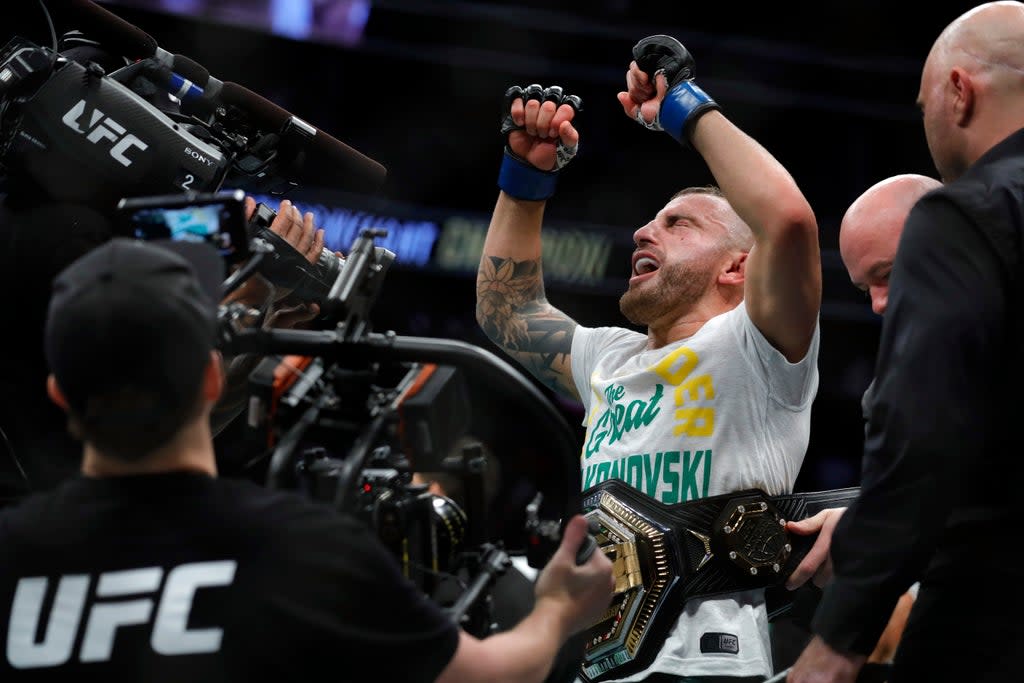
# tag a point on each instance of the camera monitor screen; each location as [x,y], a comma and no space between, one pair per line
[218,220]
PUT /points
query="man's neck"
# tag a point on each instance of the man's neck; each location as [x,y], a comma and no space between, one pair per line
[191,450]
[687,325]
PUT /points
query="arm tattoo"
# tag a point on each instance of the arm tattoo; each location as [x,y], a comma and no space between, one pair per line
[514,313]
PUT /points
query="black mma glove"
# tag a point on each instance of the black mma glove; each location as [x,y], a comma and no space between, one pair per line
[519,178]
[685,102]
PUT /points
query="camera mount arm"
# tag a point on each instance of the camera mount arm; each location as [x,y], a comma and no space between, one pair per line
[333,345]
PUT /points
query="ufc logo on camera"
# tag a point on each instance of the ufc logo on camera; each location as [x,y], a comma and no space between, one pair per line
[102,127]
[111,610]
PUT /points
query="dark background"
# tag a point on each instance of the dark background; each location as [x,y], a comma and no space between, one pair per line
[827,87]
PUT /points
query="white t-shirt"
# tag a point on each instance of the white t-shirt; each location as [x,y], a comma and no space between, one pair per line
[717,412]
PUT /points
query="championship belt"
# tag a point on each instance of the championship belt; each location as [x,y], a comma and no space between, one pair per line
[664,555]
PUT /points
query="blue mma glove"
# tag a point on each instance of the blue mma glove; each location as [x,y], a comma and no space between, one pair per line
[685,102]
[519,178]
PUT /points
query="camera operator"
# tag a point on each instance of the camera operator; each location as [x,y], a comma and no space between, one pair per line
[186,576]
[37,242]
[512,593]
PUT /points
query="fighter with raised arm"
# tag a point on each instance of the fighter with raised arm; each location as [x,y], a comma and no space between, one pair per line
[716,396]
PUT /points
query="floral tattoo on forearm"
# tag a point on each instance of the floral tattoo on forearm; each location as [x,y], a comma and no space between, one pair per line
[515,315]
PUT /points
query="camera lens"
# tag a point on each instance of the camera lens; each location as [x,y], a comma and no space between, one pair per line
[449,521]
[288,268]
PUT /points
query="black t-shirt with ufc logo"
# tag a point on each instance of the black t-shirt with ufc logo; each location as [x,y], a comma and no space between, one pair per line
[183,577]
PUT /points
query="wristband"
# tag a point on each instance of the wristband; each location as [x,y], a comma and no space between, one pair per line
[521,180]
[683,105]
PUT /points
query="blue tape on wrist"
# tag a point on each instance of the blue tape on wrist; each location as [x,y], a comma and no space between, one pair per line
[519,179]
[680,102]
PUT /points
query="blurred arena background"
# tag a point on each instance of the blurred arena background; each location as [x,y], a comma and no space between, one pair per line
[828,87]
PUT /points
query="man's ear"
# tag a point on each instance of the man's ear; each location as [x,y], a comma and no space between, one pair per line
[213,378]
[735,271]
[964,94]
[56,395]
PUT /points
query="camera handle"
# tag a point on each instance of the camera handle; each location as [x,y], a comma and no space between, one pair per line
[345,493]
[494,563]
[357,286]
[287,445]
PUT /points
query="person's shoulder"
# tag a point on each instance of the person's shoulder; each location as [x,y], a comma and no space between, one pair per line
[282,506]
[20,510]
[983,198]
[963,191]
[734,314]
[993,181]
[612,335]
[34,503]
[735,320]
[41,510]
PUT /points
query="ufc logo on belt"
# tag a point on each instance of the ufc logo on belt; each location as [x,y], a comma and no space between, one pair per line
[111,609]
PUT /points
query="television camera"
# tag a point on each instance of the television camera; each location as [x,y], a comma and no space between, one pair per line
[345,414]
[348,416]
[157,125]
[74,132]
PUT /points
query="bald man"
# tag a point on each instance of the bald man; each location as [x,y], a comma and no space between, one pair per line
[868,236]
[939,489]
[870,232]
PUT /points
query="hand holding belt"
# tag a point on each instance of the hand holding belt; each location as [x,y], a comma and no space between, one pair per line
[664,555]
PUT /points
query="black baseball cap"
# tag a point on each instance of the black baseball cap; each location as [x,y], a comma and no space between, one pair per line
[134,315]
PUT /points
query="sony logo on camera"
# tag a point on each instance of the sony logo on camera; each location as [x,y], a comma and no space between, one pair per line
[198,156]
[102,127]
